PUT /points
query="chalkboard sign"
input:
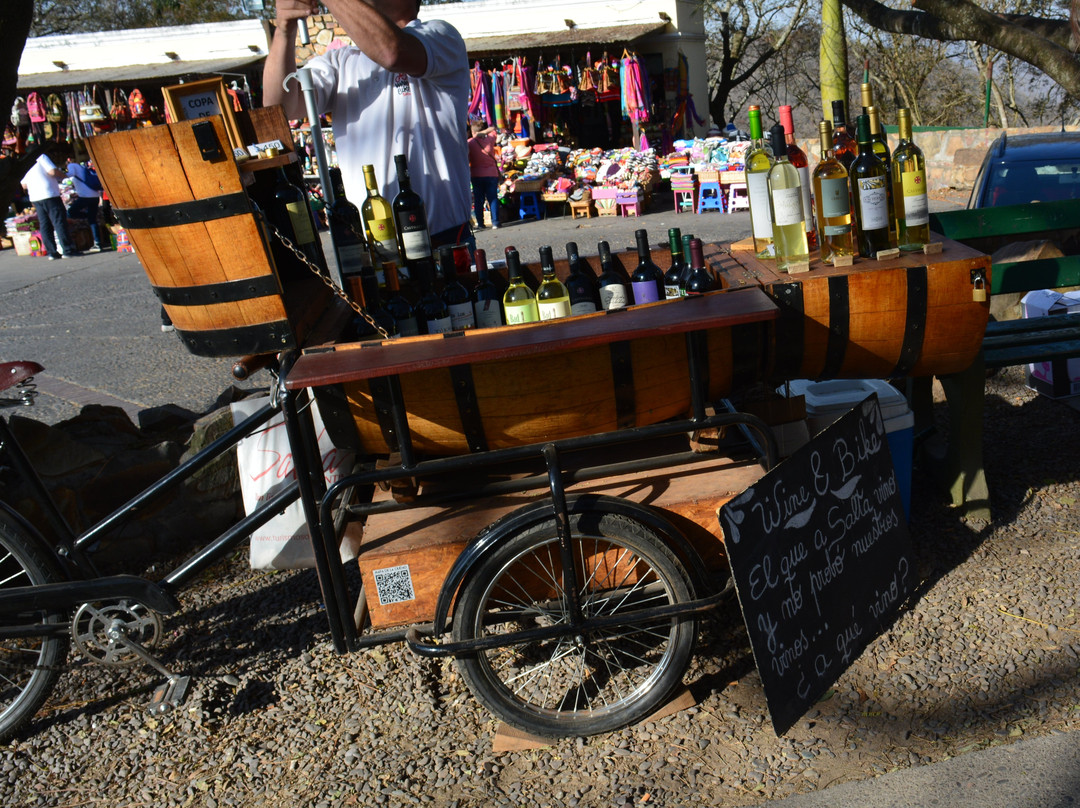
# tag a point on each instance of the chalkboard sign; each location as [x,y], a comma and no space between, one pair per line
[820,554]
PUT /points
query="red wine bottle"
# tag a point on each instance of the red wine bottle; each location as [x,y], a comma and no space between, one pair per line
[614,291]
[581,283]
[397,304]
[410,219]
[700,280]
[647,282]
[454,294]
[486,296]
[675,272]
[346,230]
[432,313]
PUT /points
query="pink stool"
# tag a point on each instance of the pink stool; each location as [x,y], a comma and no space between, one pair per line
[629,203]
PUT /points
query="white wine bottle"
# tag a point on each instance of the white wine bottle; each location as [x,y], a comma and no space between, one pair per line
[758,162]
[552,297]
[378,218]
[909,189]
[832,198]
[519,303]
[788,218]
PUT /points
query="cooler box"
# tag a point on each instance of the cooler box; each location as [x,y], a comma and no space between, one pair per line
[1061,377]
[827,401]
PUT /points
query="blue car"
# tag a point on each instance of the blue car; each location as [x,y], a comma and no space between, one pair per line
[1019,169]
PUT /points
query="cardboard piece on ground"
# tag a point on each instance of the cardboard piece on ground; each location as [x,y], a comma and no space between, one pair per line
[511,739]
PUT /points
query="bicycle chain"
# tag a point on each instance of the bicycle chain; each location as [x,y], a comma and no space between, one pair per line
[326,279]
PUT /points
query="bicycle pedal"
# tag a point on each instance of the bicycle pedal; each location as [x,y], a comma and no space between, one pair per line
[169,694]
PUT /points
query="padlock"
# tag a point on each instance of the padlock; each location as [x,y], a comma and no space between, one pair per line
[978,291]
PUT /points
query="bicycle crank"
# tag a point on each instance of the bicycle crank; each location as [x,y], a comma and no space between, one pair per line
[118,634]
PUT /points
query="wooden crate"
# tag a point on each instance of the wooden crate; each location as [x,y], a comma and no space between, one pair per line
[420,545]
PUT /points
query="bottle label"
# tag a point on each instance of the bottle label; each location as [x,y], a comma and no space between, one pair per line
[787,206]
[517,313]
[381,236]
[645,292]
[613,296]
[873,204]
[757,186]
[301,222]
[417,244]
[582,307]
[916,204]
[353,258]
[441,325]
[461,316]
[488,313]
[408,327]
[552,310]
[835,200]
[836,229]
[671,291]
[807,205]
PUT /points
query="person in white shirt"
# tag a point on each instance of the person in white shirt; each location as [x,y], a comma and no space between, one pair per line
[403,88]
[42,186]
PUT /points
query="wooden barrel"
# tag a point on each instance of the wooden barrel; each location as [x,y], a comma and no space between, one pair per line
[180,195]
[511,386]
[915,315]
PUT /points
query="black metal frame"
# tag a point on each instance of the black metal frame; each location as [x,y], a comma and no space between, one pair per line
[320,505]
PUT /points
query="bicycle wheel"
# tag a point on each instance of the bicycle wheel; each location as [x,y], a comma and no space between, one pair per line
[29,666]
[596,682]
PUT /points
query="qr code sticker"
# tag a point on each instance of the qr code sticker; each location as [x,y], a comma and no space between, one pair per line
[394,585]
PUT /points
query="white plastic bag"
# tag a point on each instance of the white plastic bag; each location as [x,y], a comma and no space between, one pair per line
[265,461]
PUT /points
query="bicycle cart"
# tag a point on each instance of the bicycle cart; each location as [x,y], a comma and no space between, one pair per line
[554,531]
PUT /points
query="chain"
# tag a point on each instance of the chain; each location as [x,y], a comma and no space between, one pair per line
[325,278]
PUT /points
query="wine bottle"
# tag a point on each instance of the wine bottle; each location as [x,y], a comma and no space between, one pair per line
[487,299]
[647,282]
[455,295]
[399,307]
[410,220]
[798,159]
[552,298]
[432,312]
[674,276]
[700,280]
[832,198]
[844,145]
[346,230]
[786,197]
[613,288]
[909,189]
[881,149]
[371,301]
[869,179]
[878,133]
[288,210]
[581,283]
[519,303]
[758,161]
[378,218]
[686,264]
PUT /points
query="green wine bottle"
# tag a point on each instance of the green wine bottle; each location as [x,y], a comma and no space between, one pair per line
[869,181]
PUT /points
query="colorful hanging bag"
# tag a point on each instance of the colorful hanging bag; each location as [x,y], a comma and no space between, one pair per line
[137,105]
[35,108]
[20,115]
[119,110]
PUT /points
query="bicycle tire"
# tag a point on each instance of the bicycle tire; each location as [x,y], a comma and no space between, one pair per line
[590,684]
[29,666]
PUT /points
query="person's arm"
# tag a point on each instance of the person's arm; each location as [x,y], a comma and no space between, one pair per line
[281,60]
[382,38]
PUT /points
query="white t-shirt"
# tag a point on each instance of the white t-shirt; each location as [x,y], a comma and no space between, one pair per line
[39,183]
[378,114]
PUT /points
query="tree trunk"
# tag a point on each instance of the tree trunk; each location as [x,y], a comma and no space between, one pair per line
[832,62]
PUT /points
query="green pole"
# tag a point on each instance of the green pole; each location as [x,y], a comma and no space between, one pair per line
[989,84]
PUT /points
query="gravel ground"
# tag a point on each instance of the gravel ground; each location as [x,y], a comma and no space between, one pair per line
[987,654]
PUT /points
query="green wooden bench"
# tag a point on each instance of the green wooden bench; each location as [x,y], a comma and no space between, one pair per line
[1007,342]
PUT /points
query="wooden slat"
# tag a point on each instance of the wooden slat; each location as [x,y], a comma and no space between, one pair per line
[1042,273]
[351,362]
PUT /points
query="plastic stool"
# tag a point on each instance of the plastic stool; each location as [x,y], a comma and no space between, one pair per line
[710,195]
[629,203]
[738,198]
[529,205]
[683,187]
